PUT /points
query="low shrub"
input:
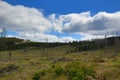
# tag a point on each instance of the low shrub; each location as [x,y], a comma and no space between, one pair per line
[36,76]
[58,71]
[75,71]
[39,75]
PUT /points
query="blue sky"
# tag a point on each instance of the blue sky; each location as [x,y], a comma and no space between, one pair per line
[84,19]
[71,6]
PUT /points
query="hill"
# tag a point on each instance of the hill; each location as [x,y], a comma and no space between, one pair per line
[78,60]
[16,43]
[96,44]
[6,43]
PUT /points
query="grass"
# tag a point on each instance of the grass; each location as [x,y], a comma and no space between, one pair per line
[55,64]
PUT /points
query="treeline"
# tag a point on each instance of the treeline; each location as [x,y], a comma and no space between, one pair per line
[8,43]
[37,45]
[95,44]
[15,43]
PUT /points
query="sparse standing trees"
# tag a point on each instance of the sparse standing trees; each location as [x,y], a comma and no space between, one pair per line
[3,33]
[106,46]
[24,53]
[10,55]
[116,46]
[0,56]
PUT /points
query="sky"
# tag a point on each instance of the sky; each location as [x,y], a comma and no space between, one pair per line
[60,20]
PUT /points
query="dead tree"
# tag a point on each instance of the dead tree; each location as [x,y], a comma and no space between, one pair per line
[10,55]
[3,33]
[116,45]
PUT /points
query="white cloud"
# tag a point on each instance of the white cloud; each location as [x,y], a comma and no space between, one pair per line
[20,18]
[35,36]
[95,26]
[13,36]
[57,22]
[90,36]
[1,30]
[100,23]
[71,22]
[30,23]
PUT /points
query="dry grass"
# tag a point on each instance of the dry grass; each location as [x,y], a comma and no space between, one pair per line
[31,60]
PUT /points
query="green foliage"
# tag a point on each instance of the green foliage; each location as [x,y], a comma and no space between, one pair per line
[111,73]
[73,70]
[30,59]
[58,71]
[15,43]
[38,75]
[10,44]
[79,72]
[116,63]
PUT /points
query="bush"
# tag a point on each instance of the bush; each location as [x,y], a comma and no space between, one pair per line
[58,71]
[74,71]
[79,72]
[38,75]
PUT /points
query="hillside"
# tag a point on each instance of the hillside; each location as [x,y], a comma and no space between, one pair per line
[60,63]
[96,44]
[14,44]
[84,60]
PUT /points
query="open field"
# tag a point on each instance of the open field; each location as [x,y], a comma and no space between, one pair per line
[58,63]
[59,40]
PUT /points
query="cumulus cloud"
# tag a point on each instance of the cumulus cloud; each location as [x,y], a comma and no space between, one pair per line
[99,24]
[30,23]
[35,36]
[20,18]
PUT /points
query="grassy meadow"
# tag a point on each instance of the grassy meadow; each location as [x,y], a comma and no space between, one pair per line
[58,63]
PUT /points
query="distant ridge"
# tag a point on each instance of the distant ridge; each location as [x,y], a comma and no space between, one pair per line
[12,43]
